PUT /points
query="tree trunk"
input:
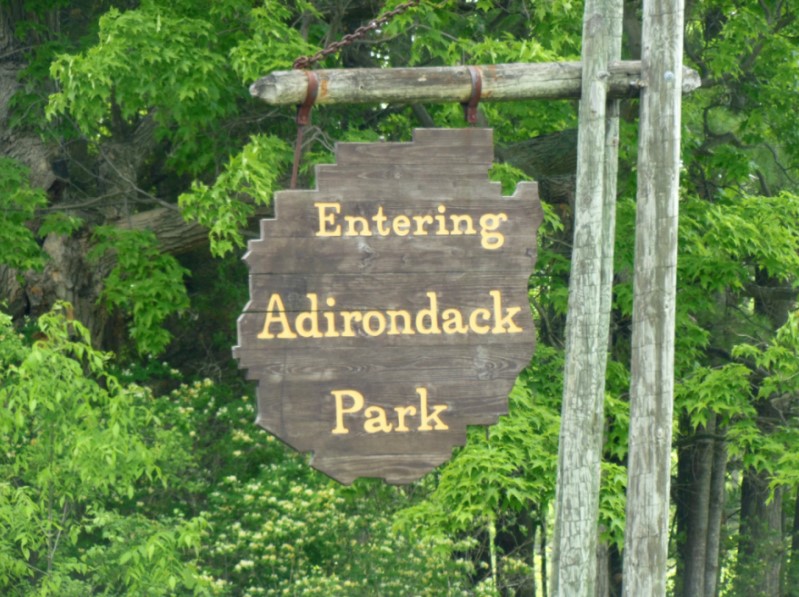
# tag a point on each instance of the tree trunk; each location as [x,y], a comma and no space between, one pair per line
[8,41]
[67,274]
[760,549]
[528,526]
[792,573]
[693,490]
[761,554]
[543,551]
[716,513]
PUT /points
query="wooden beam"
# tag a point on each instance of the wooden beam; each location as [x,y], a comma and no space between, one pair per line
[501,82]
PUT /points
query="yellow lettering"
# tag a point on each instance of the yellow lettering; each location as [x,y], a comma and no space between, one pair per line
[376,420]
[352,221]
[317,322]
[327,218]
[484,314]
[307,322]
[427,418]
[438,224]
[349,317]
[402,412]
[452,322]
[393,329]
[357,404]
[431,314]
[401,225]
[441,219]
[421,222]
[276,313]
[503,321]
[380,220]
[368,317]
[466,219]
[490,238]
[330,318]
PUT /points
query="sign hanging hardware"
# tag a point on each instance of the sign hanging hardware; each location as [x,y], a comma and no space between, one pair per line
[304,62]
[303,120]
[470,107]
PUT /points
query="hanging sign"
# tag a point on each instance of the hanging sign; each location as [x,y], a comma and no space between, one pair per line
[388,308]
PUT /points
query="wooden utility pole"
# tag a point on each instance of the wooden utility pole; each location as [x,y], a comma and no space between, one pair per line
[590,286]
[654,288]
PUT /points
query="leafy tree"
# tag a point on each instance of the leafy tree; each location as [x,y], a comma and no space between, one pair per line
[136,167]
[739,275]
[78,447]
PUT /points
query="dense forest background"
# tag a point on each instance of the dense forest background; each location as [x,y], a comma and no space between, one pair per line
[134,166]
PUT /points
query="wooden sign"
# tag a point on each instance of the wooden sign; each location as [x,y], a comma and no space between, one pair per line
[389,307]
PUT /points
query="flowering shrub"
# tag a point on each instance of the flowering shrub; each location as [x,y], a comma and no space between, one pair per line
[277,527]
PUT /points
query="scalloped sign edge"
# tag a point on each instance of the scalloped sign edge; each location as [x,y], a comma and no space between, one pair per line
[389,307]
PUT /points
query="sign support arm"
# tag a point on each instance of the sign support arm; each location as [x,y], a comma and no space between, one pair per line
[500,82]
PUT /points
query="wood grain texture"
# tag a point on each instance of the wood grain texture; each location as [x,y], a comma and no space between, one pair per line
[500,82]
[590,284]
[388,307]
[646,534]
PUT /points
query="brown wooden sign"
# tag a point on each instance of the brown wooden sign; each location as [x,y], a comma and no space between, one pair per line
[389,307]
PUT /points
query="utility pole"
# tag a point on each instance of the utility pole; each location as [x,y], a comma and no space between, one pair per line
[590,285]
[654,297]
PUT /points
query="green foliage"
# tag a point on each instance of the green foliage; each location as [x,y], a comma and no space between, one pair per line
[723,390]
[153,59]
[77,445]
[501,473]
[279,528]
[509,467]
[612,503]
[274,43]
[59,223]
[507,176]
[18,205]
[270,526]
[145,283]
[726,241]
[222,208]
[776,361]
[775,366]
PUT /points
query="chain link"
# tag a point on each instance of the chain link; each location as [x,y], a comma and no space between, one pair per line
[306,61]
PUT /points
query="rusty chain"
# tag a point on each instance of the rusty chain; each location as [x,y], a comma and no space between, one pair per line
[305,61]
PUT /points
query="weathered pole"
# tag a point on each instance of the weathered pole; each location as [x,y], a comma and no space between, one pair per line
[590,285]
[654,296]
[500,82]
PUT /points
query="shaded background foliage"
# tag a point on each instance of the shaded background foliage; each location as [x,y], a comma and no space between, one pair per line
[133,168]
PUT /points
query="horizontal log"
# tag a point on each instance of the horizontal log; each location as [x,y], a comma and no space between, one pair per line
[500,82]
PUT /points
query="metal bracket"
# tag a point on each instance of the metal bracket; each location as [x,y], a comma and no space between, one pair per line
[304,111]
[303,120]
[470,107]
